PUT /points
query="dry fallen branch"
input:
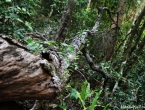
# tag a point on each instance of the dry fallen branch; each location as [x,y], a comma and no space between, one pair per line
[93,66]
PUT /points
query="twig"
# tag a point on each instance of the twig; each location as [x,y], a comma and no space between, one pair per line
[100,12]
[35,105]
[37,35]
[66,97]
[81,74]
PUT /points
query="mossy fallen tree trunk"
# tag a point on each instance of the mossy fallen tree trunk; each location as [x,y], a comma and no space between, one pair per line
[24,75]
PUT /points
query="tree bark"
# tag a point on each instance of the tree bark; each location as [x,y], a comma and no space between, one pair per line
[22,76]
[65,20]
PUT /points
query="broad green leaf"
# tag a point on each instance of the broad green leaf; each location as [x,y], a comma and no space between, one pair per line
[12,15]
[8,0]
[61,53]
[29,26]
[50,42]
[95,100]
[63,106]
[18,19]
[70,48]
[83,103]
[88,92]
[85,90]
[74,94]
[76,67]
[67,63]
[64,44]
[29,40]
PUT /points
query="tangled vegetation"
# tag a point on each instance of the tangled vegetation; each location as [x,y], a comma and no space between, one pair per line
[116,48]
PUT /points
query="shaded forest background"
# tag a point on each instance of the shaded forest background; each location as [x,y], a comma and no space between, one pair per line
[107,71]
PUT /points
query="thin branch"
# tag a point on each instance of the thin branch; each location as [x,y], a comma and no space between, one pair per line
[93,66]
[37,35]
[100,12]
[81,74]
[66,97]
[35,105]
[109,13]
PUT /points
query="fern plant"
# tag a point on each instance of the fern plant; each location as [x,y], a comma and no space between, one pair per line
[85,95]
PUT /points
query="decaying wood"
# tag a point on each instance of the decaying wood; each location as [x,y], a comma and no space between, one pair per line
[22,75]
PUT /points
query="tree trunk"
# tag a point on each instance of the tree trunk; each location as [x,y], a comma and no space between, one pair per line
[65,20]
[117,20]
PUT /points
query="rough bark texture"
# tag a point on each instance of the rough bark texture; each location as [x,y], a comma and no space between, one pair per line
[65,20]
[22,76]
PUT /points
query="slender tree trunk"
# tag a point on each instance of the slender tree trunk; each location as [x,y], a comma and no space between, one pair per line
[117,21]
[65,20]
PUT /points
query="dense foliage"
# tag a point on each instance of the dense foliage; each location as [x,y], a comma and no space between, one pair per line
[85,89]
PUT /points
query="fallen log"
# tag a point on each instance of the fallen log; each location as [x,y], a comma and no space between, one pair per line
[22,75]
